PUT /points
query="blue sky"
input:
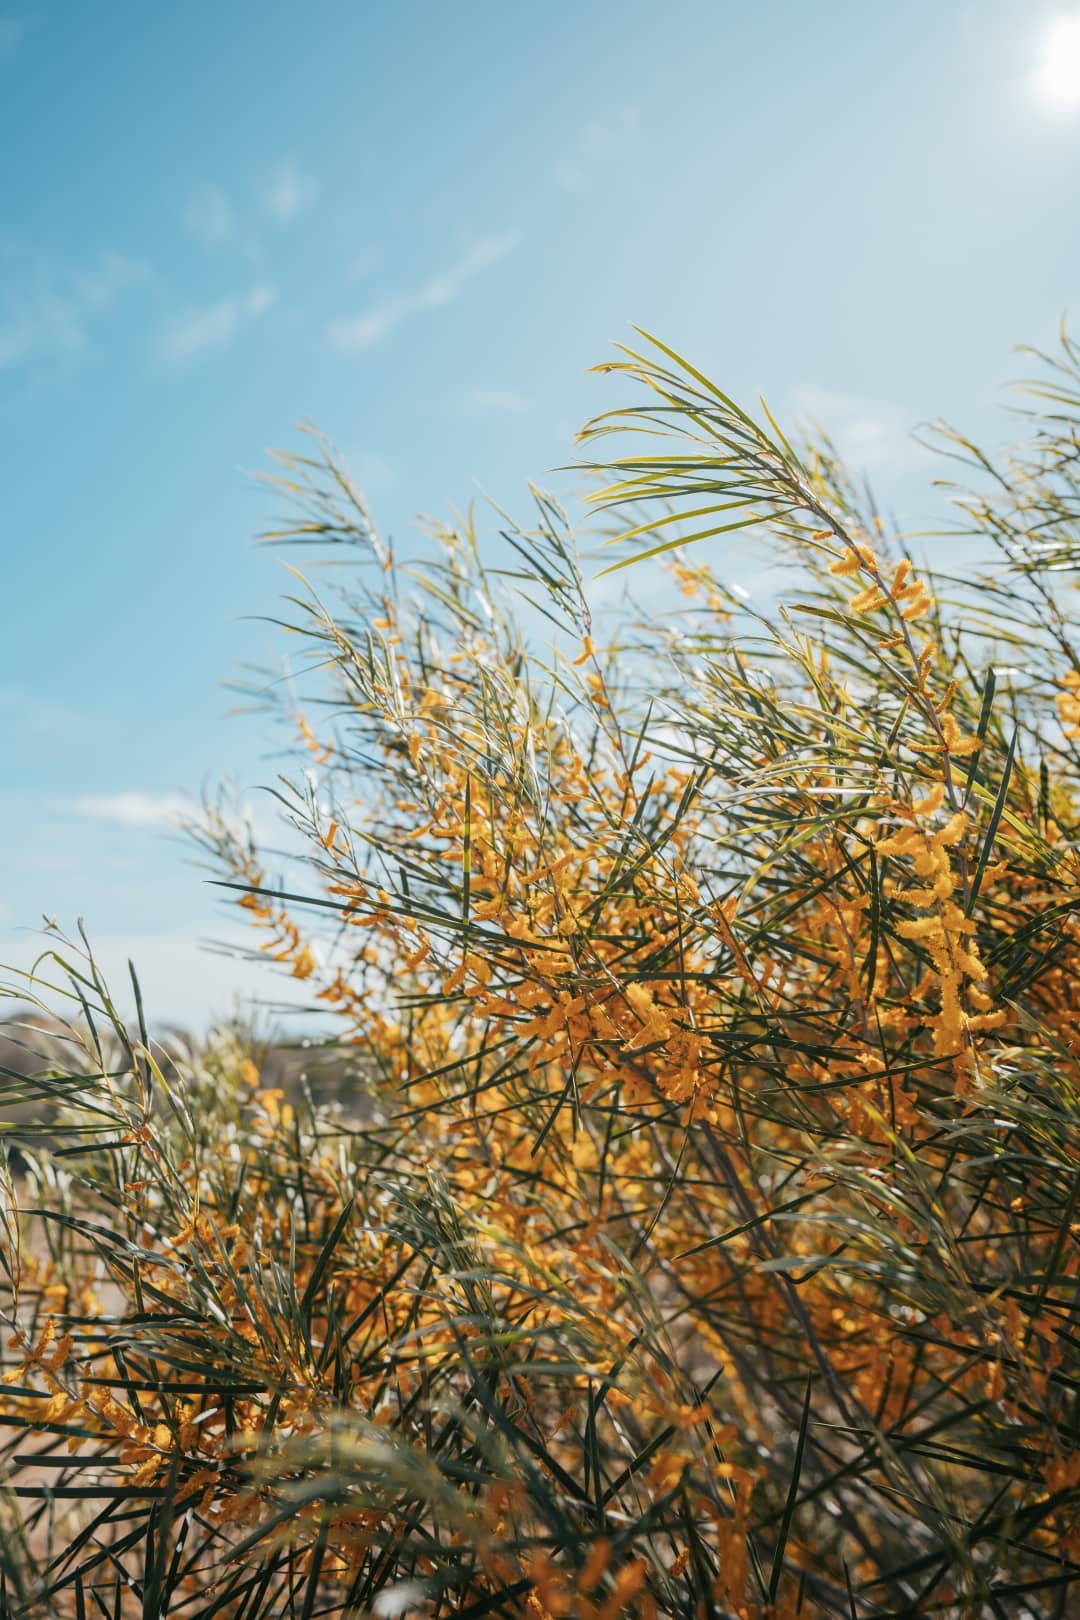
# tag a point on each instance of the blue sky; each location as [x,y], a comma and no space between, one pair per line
[418,225]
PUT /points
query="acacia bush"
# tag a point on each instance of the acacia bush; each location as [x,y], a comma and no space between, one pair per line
[704,1241]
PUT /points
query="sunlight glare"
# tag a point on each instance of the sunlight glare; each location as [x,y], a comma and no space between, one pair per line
[1057,76]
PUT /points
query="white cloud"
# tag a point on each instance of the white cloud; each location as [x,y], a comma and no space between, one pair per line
[289,192]
[869,436]
[496,401]
[132,809]
[183,983]
[48,312]
[209,215]
[362,331]
[214,326]
[601,141]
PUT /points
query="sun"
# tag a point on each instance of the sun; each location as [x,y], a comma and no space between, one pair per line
[1057,77]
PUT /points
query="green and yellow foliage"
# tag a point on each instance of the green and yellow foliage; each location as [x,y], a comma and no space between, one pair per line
[703,1241]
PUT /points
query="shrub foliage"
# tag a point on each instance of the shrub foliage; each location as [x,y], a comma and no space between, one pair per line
[700,1238]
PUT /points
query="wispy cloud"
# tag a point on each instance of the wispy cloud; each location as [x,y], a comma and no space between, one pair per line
[13,30]
[600,143]
[183,982]
[214,326]
[289,191]
[869,435]
[210,216]
[370,470]
[104,281]
[48,312]
[371,327]
[26,712]
[490,400]
[132,809]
